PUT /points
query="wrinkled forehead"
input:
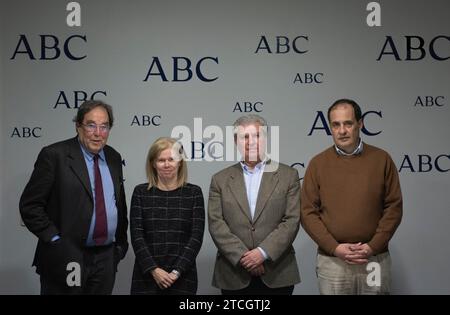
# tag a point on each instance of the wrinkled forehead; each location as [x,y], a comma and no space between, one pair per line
[97,114]
[342,112]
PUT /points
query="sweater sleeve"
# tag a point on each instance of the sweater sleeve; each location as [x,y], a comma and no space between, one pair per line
[310,211]
[392,209]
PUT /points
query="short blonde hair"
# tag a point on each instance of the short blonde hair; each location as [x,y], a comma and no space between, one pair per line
[155,150]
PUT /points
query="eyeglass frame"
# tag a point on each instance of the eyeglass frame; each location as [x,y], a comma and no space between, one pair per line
[91,127]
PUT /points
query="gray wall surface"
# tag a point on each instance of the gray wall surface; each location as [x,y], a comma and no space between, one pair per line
[122,39]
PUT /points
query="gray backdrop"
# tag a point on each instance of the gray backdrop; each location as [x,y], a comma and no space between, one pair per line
[122,39]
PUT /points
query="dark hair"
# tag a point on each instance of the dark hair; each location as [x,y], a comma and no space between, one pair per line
[356,108]
[87,106]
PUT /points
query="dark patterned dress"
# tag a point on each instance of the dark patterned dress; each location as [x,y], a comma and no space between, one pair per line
[166,232]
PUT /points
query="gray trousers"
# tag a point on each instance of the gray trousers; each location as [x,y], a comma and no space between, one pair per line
[337,277]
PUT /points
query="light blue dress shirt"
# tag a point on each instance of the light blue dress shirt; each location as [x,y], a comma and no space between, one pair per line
[252,178]
[108,192]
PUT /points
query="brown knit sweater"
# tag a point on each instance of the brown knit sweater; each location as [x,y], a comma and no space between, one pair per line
[350,199]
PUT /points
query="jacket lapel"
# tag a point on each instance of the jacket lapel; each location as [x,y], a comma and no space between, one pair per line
[114,171]
[78,165]
[237,187]
[268,183]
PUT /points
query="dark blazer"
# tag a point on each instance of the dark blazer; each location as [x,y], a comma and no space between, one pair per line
[273,227]
[58,200]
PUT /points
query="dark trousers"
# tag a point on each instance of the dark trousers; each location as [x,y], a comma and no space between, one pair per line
[97,276]
[257,287]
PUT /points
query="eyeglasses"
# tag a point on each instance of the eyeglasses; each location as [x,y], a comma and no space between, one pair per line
[91,128]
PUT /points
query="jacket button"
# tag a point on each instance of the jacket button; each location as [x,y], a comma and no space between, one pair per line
[253,229]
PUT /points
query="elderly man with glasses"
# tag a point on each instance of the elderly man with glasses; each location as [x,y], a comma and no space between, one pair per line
[75,204]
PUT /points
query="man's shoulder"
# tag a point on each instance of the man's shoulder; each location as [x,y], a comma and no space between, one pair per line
[60,146]
[227,171]
[109,150]
[278,166]
[373,150]
[325,154]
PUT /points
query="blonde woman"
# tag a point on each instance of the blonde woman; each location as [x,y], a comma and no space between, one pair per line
[167,219]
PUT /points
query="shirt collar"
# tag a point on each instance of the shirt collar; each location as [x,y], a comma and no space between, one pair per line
[258,166]
[357,151]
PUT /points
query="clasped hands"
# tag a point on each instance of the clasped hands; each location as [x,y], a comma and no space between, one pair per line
[252,261]
[354,254]
[163,278]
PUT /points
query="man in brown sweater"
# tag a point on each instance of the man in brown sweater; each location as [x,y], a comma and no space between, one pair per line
[351,207]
